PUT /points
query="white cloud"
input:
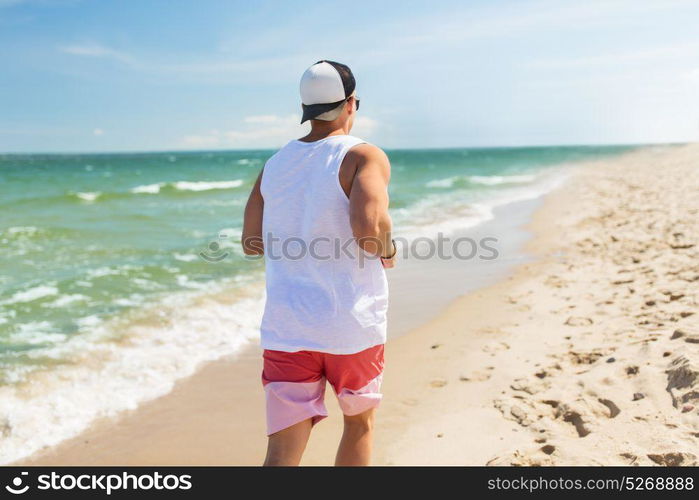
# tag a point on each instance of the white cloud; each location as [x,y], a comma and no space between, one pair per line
[202,68]
[274,132]
[266,131]
[364,127]
[96,50]
[97,132]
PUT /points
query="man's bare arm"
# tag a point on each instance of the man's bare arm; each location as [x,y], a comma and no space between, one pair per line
[369,218]
[252,224]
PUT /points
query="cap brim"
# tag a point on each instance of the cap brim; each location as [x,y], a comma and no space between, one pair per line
[313,111]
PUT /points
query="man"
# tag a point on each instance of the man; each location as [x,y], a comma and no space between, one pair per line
[319,213]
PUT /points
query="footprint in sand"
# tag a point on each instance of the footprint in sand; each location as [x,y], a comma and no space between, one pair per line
[573,416]
[520,416]
[577,421]
[512,412]
[673,459]
[496,347]
[439,382]
[630,457]
[586,358]
[524,385]
[622,282]
[477,376]
[548,449]
[613,408]
[578,321]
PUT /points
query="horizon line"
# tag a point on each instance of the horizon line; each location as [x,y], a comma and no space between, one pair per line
[251,150]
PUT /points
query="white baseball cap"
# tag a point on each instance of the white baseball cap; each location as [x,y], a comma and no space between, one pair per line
[325,86]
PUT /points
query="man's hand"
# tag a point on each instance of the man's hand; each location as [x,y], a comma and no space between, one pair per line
[388,263]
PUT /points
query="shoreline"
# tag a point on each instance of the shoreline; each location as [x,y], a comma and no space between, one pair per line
[117,362]
[129,437]
[414,301]
[478,365]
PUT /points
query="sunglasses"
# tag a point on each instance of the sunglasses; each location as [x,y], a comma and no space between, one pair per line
[356,99]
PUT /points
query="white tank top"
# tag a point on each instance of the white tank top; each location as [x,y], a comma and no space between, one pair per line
[319,298]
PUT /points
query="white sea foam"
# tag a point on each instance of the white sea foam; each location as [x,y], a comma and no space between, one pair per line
[226,202]
[186,186]
[11,313]
[442,183]
[485,180]
[102,271]
[146,284]
[31,294]
[89,197]
[21,231]
[545,183]
[184,281]
[65,300]
[148,188]
[494,180]
[133,300]
[448,212]
[88,321]
[105,378]
[36,332]
[206,186]
[187,257]
[230,233]
[427,219]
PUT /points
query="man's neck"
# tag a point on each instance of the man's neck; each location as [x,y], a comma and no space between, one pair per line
[321,132]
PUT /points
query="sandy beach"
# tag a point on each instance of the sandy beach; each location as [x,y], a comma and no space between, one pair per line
[586,354]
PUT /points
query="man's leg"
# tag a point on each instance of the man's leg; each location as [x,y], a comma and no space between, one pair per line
[286,446]
[355,445]
[356,379]
[294,392]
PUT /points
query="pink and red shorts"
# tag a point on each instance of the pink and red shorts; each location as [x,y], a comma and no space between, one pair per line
[294,384]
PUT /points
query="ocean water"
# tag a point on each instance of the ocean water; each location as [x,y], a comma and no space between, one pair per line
[120,273]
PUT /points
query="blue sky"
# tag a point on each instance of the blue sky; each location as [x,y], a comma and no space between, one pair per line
[213,74]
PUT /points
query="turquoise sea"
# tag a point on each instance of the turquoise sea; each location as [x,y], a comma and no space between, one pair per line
[107,289]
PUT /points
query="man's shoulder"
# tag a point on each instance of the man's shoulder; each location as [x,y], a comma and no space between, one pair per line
[366,152]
